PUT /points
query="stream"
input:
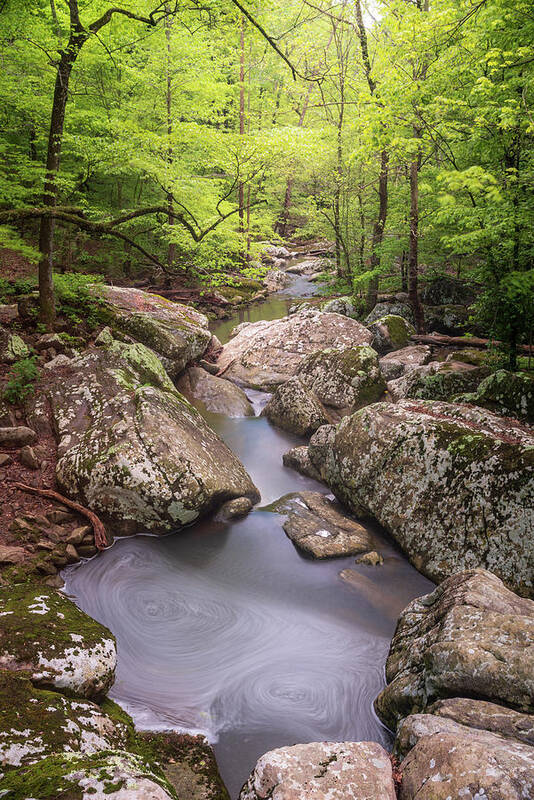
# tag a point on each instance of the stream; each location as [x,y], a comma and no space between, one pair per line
[226,630]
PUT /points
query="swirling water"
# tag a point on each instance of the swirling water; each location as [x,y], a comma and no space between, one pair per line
[226,629]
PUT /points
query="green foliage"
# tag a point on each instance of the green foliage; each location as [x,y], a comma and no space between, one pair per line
[75,300]
[10,290]
[21,378]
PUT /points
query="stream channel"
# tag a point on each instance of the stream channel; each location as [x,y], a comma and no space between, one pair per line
[227,630]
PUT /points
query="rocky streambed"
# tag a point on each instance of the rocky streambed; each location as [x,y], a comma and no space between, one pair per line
[264,630]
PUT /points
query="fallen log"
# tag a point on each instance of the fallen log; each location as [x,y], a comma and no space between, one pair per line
[101,539]
[441,340]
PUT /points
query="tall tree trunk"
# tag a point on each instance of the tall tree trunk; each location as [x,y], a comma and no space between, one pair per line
[241,186]
[378,229]
[171,250]
[413,254]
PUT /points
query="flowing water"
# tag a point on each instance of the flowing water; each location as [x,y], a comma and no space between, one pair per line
[227,630]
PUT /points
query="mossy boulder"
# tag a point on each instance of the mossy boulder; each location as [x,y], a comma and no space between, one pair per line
[439,380]
[35,723]
[341,305]
[396,308]
[177,333]
[451,320]
[454,485]
[469,355]
[390,333]
[104,775]
[508,393]
[398,363]
[471,637]
[447,290]
[60,647]
[131,447]
[12,347]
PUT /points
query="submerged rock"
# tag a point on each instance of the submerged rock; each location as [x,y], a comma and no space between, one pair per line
[177,333]
[298,458]
[333,770]
[60,647]
[319,527]
[453,485]
[400,362]
[508,393]
[218,395]
[471,637]
[390,333]
[133,449]
[265,354]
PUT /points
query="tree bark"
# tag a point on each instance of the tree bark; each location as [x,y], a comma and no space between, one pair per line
[241,186]
[171,250]
[413,254]
[378,229]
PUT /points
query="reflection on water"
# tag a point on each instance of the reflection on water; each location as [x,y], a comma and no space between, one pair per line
[228,630]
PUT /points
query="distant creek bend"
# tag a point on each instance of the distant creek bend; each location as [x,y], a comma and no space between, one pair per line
[225,629]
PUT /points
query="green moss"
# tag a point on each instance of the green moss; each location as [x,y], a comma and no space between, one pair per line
[399,330]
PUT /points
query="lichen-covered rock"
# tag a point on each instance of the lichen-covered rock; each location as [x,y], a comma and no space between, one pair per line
[447,290]
[275,280]
[341,305]
[265,354]
[17,436]
[439,380]
[397,308]
[174,331]
[131,447]
[12,347]
[36,723]
[400,362]
[454,485]
[471,637]
[469,355]
[319,527]
[60,646]
[293,407]
[508,393]
[390,333]
[451,320]
[343,380]
[319,770]
[448,760]
[217,394]
[298,458]
[487,716]
[105,775]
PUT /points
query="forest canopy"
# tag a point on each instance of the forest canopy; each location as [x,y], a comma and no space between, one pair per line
[177,137]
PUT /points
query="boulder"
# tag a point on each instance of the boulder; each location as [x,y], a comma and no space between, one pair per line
[318,526]
[12,555]
[177,333]
[265,354]
[131,448]
[104,775]
[471,637]
[60,647]
[12,347]
[307,267]
[36,723]
[400,362]
[439,380]
[275,280]
[298,458]
[454,485]
[469,355]
[508,393]
[217,394]
[448,760]
[17,436]
[487,716]
[319,770]
[390,333]
[340,305]
[394,307]
[452,320]
[447,290]
[293,407]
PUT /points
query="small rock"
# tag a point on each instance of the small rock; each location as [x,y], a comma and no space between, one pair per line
[5,459]
[76,536]
[60,517]
[372,558]
[59,361]
[28,457]
[299,459]
[55,582]
[86,550]
[60,559]
[17,436]
[44,545]
[234,509]
[11,555]
[71,554]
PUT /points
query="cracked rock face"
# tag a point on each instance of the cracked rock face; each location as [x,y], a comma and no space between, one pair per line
[453,485]
[449,760]
[264,354]
[319,770]
[132,449]
[319,527]
[60,646]
[177,333]
[471,637]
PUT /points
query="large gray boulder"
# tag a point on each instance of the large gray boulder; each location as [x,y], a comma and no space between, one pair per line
[318,527]
[448,760]
[390,333]
[486,716]
[399,362]
[178,333]
[293,407]
[319,770]
[265,354]
[451,320]
[217,395]
[439,380]
[472,637]
[131,448]
[57,645]
[395,307]
[447,290]
[454,485]
[508,393]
